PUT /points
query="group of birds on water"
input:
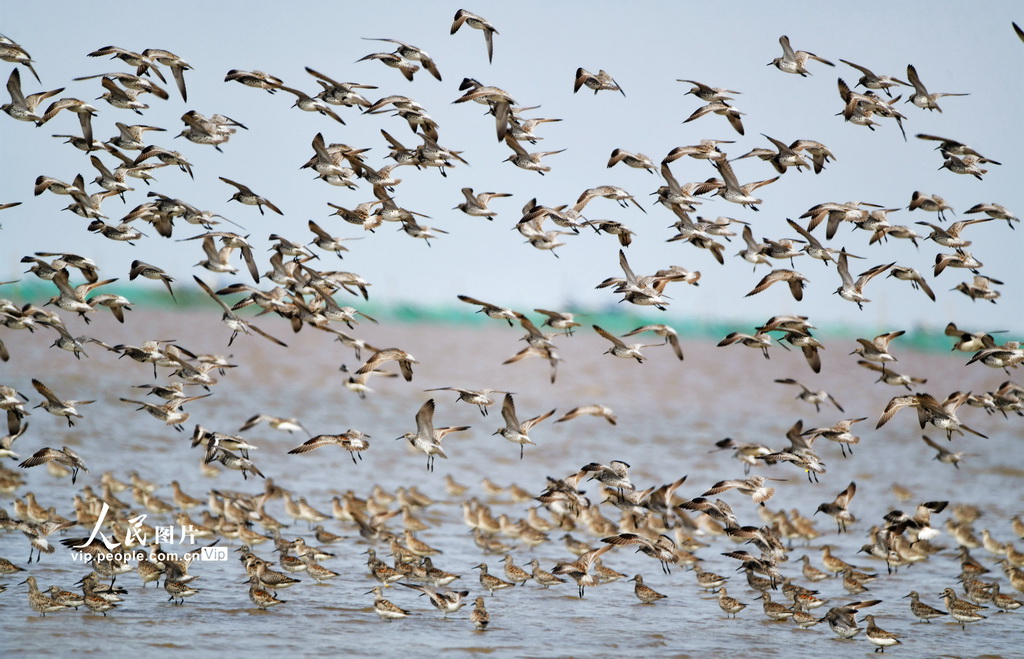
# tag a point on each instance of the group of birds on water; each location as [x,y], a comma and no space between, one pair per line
[653,521]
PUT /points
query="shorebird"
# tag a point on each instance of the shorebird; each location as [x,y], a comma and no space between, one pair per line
[839,433]
[141,61]
[752,487]
[523,129]
[813,248]
[326,241]
[427,438]
[446,602]
[837,509]
[528,161]
[854,291]
[246,196]
[859,109]
[786,156]
[384,608]
[843,619]
[980,288]
[796,282]
[579,570]
[761,340]
[601,411]
[914,277]
[260,597]
[126,98]
[745,452]
[931,203]
[620,349]
[257,79]
[56,406]
[539,346]
[670,335]
[601,81]
[950,236]
[214,130]
[169,412]
[705,150]
[730,189]
[500,104]
[490,582]
[64,456]
[404,359]
[308,103]
[232,320]
[921,98]
[133,86]
[130,138]
[215,453]
[76,344]
[463,17]
[645,593]
[721,108]
[794,61]
[218,260]
[611,227]
[877,349]
[38,601]
[85,113]
[645,291]
[921,610]
[21,107]
[870,80]
[559,320]
[476,204]
[729,605]
[514,431]
[608,192]
[143,269]
[993,210]
[16,427]
[340,93]
[287,424]
[961,610]
[879,636]
[178,591]
[615,474]
[930,411]
[635,160]
[492,310]
[395,61]
[412,53]
[479,616]
[472,396]
[16,54]
[774,610]
[966,165]
[960,259]
[754,252]
[815,398]
[178,66]
[953,147]
[212,439]
[708,93]
[1004,602]
[543,577]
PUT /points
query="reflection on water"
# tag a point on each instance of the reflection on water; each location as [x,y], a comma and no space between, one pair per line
[670,414]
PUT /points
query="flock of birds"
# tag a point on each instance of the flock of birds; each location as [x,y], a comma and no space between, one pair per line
[652,520]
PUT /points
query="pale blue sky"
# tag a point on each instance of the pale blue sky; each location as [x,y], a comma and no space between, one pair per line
[646,47]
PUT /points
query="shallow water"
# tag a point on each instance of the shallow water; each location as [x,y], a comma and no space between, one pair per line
[670,414]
